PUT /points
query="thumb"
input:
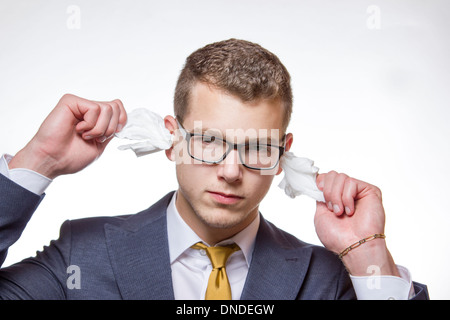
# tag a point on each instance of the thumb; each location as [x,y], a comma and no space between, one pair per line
[320,181]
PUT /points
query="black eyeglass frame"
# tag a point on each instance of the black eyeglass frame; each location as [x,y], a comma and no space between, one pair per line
[231,146]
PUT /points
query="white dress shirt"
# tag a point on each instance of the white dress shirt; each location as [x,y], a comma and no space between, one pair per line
[191,267]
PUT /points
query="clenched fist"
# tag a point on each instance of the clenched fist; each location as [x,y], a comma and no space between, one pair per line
[73,135]
[353,210]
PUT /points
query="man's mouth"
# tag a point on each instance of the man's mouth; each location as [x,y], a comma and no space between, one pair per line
[225,198]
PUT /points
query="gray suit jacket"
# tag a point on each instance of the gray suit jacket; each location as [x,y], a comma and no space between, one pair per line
[127,257]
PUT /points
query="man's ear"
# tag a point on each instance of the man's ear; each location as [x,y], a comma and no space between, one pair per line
[289,140]
[171,124]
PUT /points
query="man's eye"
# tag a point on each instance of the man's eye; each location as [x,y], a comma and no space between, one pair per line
[209,139]
[253,147]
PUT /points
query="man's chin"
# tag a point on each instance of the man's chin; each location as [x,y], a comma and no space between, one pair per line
[224,219]
[220,221]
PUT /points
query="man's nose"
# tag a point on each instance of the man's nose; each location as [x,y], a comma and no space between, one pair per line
[230,169]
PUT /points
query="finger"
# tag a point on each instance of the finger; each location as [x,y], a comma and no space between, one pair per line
[118,120]
[348,195]
[101,124]
[122,116]
[320,181]
[114,122]
[336,193]
[104,138]
[88,114]
[327,183]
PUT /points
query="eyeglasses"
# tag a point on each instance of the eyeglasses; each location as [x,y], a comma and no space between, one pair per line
[212,149]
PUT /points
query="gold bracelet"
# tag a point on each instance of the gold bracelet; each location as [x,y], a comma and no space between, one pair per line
[360,242]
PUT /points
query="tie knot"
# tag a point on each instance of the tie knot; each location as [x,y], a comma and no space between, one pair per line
[218,255]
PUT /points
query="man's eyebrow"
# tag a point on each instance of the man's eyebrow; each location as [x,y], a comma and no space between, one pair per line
[259,140]
[203,130]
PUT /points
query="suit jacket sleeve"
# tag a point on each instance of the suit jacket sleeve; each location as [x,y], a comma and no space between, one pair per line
[17,205]
[42,277]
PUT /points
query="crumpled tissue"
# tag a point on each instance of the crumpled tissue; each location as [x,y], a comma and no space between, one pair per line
[147,131]
[299,177]
[149,135]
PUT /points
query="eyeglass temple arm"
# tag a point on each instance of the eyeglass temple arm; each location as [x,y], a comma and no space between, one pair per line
[180,127]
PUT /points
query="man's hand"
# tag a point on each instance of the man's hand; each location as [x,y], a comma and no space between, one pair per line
[353,210]
[73,135]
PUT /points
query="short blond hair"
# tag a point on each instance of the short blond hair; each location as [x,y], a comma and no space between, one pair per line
[241,68]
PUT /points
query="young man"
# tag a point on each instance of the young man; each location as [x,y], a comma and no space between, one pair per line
[226,90]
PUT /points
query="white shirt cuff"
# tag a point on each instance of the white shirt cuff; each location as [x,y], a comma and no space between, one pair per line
[28,179]
[382,287]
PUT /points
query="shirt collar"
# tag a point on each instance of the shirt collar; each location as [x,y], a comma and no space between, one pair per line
[182,237]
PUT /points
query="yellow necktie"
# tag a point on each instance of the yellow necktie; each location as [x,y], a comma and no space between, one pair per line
[218,284]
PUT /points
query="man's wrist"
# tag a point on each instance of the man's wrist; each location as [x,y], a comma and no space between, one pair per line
[369,258]
[26,178]
[34,160]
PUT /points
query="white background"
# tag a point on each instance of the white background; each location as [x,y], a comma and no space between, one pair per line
[370,81]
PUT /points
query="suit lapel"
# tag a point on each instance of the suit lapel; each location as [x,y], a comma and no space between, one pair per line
[139,254]
[277,269]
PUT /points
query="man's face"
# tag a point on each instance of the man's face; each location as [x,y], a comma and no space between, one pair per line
[222,199]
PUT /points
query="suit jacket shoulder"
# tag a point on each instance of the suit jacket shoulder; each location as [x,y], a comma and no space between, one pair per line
[98,258]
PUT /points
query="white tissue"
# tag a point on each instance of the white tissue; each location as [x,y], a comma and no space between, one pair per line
[149,134]
[299,177]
